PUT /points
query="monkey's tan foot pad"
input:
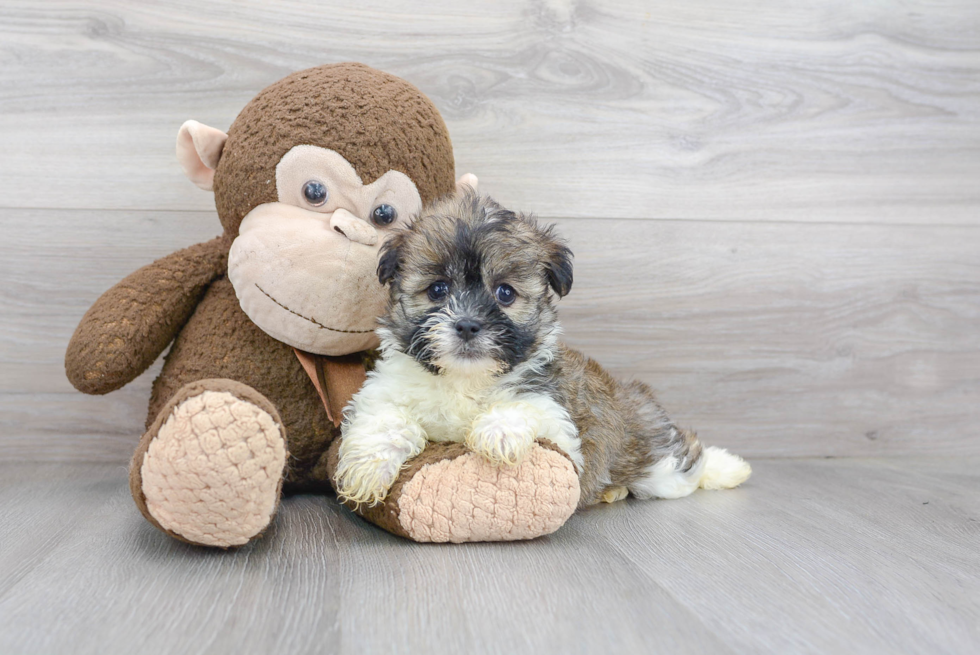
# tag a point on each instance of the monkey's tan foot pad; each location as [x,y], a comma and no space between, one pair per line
[209,470]
[451,494]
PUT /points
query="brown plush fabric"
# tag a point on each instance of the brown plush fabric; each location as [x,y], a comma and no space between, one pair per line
[377,121]
[130,325]
[219,341]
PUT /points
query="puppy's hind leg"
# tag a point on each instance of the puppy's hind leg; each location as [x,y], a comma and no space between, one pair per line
[614,494]
[678,463]
[687,465]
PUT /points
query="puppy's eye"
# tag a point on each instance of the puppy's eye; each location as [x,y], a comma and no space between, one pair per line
[315,193]
[505,294]
[438,291]
[384,215]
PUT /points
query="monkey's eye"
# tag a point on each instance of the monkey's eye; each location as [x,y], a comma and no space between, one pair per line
[505,294]
[384,215]
[315,193]
[438,291]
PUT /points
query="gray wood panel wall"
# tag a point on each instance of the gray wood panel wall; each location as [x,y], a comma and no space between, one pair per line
[775,207]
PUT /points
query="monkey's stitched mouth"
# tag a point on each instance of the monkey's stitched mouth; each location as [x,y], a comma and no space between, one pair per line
[307,318]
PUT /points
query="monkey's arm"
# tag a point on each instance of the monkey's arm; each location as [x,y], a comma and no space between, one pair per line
[130,324]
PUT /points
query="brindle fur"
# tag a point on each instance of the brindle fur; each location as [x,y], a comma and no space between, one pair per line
[623,428]
[474,244]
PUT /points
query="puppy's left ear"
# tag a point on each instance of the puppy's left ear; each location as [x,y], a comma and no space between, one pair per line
[557,262]
[390,260]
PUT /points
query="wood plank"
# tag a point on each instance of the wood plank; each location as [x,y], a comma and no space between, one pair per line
[114,585]
[829,111]
[32,527]
[321,580]
[772,339]
[817,556]
[826,555]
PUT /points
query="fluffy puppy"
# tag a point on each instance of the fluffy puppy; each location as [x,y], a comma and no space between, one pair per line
[470,353]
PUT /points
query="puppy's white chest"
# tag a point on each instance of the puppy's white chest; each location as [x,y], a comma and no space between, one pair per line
[452,408]
[445,406]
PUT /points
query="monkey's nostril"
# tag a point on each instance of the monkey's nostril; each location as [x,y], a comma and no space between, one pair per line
[467,328]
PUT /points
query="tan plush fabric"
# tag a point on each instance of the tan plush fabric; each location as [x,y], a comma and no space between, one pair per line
[468,499]
[212,473]
[307,284]
[198,151]
[448,493]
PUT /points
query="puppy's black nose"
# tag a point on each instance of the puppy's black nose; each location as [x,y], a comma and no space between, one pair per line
[467,328]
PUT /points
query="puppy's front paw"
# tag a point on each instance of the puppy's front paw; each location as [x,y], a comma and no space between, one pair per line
[505,434]
[366,471]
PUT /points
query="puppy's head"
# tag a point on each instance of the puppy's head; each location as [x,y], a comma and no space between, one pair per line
[472,287]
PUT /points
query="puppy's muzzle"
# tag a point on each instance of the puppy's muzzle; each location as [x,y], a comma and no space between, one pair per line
[467,328]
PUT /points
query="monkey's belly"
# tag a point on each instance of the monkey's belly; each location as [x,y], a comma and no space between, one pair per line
[219,341]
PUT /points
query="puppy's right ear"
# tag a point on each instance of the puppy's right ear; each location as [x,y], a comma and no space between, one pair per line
[558,268]
[390,260]
[557,259]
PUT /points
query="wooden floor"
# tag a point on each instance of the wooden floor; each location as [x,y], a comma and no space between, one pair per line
[775,211]
[812,556]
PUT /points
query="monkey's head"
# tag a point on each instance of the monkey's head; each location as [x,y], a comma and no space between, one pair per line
[312,177]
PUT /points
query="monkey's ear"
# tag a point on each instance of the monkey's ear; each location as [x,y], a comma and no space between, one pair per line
[557,262]
[390,260]
[198,151]
[468,180]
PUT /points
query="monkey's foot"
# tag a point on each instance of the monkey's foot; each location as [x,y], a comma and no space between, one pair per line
[209,470]
[449,493]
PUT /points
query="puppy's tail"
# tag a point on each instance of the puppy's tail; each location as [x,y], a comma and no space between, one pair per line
[722,469]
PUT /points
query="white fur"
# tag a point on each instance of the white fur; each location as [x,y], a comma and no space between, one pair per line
[663,480]
[402,402]
[555,425]
[369,464]
[723,470]
[504,433]
[715,469]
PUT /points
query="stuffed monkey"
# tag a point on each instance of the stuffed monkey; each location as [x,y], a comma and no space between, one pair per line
[271,325]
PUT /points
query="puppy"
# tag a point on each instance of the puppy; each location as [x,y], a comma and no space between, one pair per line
[470,353]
